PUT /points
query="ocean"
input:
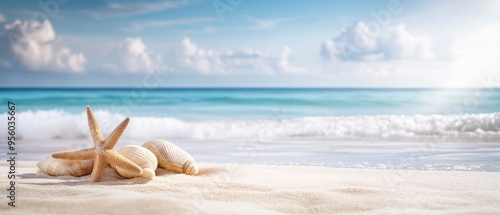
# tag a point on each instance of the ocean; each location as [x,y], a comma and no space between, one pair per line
[428,129]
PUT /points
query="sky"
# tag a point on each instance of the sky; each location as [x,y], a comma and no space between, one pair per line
[250,43]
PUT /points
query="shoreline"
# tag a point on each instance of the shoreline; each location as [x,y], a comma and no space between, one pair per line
[311,152]
[264,189]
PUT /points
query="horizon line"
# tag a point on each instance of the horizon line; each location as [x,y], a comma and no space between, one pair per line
[249,88]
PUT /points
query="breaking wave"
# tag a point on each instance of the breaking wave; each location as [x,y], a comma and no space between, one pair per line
[57,124]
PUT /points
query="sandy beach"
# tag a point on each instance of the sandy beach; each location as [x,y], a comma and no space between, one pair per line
[249,107]
[258,189]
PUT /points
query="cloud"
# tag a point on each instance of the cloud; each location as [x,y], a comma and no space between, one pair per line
[270,23]
[34,45]
[284,62]
[138,26]
[359,42]
[113,10]
[132,56]
[2,18]
[204,30]
[204,61]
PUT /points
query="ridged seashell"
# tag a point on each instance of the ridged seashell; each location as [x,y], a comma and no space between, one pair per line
[59,167]
[172,158]
[140,156]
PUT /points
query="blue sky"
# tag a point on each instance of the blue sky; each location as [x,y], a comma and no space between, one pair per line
[243,43]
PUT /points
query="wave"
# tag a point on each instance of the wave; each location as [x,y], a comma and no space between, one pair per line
[57,124]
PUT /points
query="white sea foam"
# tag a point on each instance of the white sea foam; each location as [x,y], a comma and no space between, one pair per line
[56,124]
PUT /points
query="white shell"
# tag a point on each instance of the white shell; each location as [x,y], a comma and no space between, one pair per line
[140,156]
[171,157]
[59,167]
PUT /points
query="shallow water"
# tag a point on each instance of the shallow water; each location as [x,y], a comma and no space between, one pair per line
[368,154]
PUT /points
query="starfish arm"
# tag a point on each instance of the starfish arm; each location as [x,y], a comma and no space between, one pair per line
[113,138]
[95,132]
[98,170]
[119,160]
[83,154]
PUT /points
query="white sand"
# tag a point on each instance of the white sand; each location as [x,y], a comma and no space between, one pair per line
[255,189]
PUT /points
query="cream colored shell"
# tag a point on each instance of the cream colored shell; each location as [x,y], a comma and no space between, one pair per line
[172,158]
[140,156]
[59,167]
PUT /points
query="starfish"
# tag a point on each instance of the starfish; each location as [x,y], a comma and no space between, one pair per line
[102,152]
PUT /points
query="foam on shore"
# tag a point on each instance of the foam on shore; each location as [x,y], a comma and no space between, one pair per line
[57,124]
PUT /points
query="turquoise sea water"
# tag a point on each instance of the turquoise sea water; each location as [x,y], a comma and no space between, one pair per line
[196,104]
[430,129]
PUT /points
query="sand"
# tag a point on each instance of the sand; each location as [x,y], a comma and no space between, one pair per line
[257,189]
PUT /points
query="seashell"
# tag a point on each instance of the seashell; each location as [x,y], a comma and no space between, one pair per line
[59,167]
[171,157]
[140,156]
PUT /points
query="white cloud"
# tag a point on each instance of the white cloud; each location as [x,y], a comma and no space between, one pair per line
[112,10]
[359,42]
[269,23]
[138,26]
[213,62]
[204,30]
[34,45]
[284,62]
[2,18]
[466,60]
[64,59]
[134,57]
